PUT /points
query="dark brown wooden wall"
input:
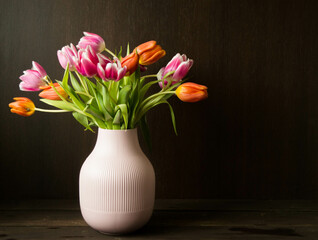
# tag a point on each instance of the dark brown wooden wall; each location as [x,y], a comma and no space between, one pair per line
[255,137]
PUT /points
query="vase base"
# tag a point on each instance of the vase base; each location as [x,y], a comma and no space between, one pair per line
[116,223]
[110,234]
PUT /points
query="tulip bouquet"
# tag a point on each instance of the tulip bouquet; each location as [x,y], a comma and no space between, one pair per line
[108,92]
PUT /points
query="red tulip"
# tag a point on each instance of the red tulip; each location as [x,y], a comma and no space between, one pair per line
[191,92]
[149,52]
[49,92]
[22,106]
[131,62]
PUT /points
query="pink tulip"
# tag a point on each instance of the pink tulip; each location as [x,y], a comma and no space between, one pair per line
[112,71]
[33,78]
[87,61]
[103,60]
[68,55]
[180,64]
[91,39]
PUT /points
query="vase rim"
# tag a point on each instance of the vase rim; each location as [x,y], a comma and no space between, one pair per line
[118,130]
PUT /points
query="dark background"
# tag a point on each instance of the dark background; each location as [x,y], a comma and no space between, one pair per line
[256,136]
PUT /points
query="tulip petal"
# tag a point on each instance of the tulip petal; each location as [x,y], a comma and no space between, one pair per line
[150,57]
[62,59]
[194,86]
[174,63]
[49,92]
[39,69]
[181,71]
[145,47]
[25,87]
[113,72]
[31,81]
[103,60]
[121,73]
[91,39]
[89,67]
[160,73]
[131,62]
[108,70]
[101,71]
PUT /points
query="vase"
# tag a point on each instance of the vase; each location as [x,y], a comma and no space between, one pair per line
[117,183]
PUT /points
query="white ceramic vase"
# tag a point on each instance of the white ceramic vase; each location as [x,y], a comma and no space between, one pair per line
[117,183]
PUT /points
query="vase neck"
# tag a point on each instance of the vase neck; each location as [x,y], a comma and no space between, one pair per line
[118,140]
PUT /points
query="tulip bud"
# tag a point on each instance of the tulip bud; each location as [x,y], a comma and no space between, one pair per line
[22,106]
[49,92]
[149,52]
[91,39]
[68,55]
[131,62]
[33,79]
[191,92]
[179,66]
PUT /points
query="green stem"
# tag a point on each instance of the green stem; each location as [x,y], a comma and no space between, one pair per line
[149,76]
[81,80]
[110,52]
[143,108]
[110,85]
[155,95]
[50,110]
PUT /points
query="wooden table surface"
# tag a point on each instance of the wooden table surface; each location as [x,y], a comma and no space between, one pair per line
[172,219]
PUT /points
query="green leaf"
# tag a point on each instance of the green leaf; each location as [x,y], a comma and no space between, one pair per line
[76,84]
[172,117]
[113,91]
[124,94]
[82,120]
[106,100]
[108,117]
[99,85]
[134,99]
[137,75]
[117,118]
[120,52]
[91,86]
[83,82]
[84,96]
[74,97]
[124,111]
[65,77]
[100,123]
[59,104]
[146,87]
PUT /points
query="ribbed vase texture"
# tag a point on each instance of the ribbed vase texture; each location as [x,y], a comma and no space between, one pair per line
[117,183]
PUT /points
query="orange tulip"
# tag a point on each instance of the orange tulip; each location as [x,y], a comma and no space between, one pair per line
[49,92]
[191,92]
[149,53]
[22,106]
[131,62]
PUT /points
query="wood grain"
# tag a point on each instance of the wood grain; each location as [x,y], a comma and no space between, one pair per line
[172,219]
[256,136]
